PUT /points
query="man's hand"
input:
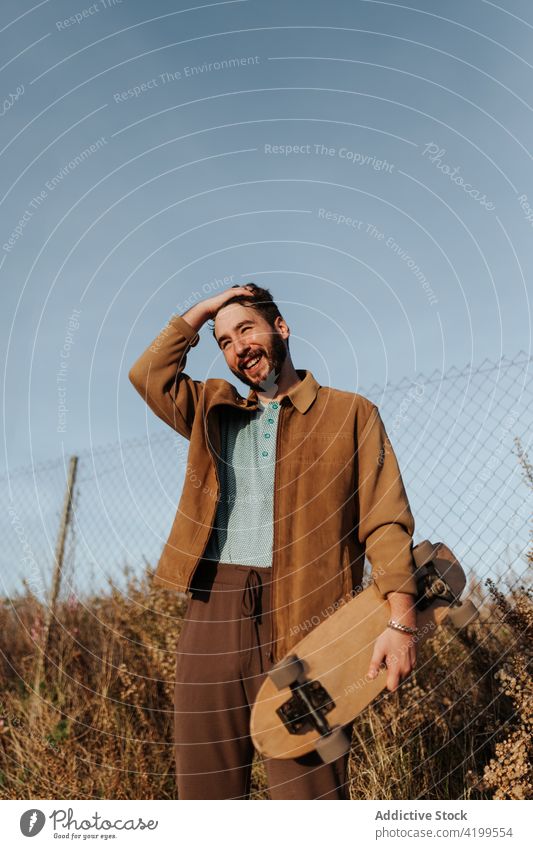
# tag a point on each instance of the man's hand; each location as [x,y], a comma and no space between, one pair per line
[212,305]
[396,649]
[198,314]
[398,652]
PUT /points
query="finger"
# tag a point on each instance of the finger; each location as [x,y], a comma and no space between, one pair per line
[405,672]
[393,679]
[399,669]
[375,662]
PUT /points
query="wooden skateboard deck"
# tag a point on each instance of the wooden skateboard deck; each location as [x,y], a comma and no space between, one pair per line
[323,683]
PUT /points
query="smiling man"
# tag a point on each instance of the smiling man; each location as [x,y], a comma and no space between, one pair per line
[285,492]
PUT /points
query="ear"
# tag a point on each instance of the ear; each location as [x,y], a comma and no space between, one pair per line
[282,327]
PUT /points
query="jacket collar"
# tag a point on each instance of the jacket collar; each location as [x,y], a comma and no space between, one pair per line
[223,392]
[302,395]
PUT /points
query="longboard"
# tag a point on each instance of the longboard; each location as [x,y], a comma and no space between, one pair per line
[323,683]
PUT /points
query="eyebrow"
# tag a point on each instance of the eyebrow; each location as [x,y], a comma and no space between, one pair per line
[237,327]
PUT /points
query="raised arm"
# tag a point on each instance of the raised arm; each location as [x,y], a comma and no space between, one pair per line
[158,375]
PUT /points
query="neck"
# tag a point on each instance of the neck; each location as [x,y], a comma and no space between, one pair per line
[287,380]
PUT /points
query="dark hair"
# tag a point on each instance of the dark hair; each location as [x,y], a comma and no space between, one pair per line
[259,299]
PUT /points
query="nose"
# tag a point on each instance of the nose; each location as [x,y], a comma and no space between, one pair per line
[240,347]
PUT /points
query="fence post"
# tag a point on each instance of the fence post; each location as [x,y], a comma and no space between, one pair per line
[56,575]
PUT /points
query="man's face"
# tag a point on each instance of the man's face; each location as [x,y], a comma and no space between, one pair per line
[253,349]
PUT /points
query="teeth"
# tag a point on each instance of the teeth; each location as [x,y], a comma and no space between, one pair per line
[250,363]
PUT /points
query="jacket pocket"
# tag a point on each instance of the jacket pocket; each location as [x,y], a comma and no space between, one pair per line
[333,448]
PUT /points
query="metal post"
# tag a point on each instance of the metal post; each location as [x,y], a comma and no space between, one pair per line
[56,576]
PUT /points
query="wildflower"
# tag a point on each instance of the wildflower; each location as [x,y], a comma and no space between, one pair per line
[72,603]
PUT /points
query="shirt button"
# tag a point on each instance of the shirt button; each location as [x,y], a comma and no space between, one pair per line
[264,453]
[266,435]
[270,421]
[275,405]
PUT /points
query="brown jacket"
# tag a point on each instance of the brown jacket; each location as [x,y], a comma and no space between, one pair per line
[338,493]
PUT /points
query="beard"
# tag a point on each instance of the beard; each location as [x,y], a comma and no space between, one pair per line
[274,355]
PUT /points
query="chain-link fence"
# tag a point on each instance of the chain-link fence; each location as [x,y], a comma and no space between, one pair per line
[454,434]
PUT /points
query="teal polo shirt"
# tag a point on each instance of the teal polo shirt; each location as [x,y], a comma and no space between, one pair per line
[243,529]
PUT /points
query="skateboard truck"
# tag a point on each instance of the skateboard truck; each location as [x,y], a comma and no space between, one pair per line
[434,583]
[307,707]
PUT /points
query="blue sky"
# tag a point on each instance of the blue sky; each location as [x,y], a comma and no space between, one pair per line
[369,162]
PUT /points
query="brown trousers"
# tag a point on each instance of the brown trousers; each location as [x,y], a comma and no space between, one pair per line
[222,659]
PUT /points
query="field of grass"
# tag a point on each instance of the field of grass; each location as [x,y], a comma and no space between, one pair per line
[100,726]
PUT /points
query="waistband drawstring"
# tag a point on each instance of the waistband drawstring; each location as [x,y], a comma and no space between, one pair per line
[251,605]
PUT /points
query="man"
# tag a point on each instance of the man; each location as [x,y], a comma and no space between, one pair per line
[285,492]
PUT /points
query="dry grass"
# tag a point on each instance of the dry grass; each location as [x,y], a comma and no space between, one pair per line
[101,725]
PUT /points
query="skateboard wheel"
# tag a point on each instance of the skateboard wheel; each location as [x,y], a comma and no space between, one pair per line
[423,552]
[333,745]
[463,615]
[288,671]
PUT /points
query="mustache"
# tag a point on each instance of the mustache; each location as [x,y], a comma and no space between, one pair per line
[249,355]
